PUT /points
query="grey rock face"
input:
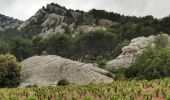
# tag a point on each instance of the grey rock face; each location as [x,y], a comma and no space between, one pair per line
[88,28]
[48,70]
[56,19]
[105,23]
[8,23]
[52,19]
[130,52]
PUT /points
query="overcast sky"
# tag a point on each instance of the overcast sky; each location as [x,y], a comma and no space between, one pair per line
[23,9]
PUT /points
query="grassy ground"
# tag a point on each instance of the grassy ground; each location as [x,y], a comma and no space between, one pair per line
[119,90]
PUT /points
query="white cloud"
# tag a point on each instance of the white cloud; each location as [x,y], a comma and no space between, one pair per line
[23,9]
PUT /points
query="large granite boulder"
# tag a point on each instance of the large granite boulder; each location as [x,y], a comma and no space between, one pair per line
[48,70]
[130,52]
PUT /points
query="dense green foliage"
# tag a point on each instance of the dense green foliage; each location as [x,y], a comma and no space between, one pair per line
[9,71]
[84,47]
[62,82]
[152,64]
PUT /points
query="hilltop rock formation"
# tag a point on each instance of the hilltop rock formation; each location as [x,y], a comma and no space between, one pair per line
[130,52]
[8,23]
[48,70]
[57,19]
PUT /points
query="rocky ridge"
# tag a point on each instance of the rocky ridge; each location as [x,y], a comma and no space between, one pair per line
[57,19]
[48,70]
[8,23]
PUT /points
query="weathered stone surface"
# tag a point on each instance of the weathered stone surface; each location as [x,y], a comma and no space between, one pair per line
[48,70]
[105,23]
[56,19]
[52,19]
[34,19]
[130,52]
[88,28]
[8,23]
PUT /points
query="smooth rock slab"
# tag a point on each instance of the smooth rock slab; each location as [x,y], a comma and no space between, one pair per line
[48,70]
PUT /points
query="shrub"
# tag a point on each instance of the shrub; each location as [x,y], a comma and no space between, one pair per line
[101,61]
[161,41]
[9,71]
[63,82]
[151,64]
[119,73]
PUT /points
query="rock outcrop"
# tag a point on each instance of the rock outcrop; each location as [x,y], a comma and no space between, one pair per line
[48,70]
[8,23]
[57,19]
[130,52]
[89,28]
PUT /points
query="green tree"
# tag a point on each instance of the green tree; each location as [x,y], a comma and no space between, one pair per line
[21,48]
[58,44]
[4,47]
[39,45]
[94,44]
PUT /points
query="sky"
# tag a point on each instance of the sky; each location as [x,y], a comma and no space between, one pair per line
[24,9]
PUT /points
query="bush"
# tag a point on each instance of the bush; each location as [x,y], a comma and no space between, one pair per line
[101,61]
[9,71]
[119,73]
[63,82]
[151,64]
[161,41]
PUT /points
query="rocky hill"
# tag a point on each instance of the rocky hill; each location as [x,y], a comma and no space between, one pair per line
[48,70]
[57,19]
[8,23]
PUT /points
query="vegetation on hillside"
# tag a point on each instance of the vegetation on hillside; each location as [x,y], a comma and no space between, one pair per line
[85,47]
